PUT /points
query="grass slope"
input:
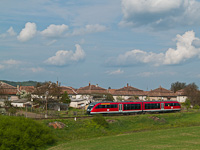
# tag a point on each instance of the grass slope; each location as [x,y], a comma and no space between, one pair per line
[174,139]
[87,129]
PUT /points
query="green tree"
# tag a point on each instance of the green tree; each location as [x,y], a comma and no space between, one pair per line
[177,86]
[7,103]
[65,98]
[109,97]
[192,92]
[187,103]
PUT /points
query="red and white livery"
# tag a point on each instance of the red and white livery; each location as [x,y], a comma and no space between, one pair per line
[133,107]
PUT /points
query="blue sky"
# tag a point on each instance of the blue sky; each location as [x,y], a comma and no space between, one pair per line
[146,43]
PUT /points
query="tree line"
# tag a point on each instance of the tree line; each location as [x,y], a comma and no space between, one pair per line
[190,90]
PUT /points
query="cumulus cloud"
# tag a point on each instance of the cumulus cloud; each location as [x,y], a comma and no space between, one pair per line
[184,51]
[63,57]
[89,29]
[28,32]
[160,13]
[54,30]
[115,72]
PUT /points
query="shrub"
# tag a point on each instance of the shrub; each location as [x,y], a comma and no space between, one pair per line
[100,120]
[20,133]
[196,106]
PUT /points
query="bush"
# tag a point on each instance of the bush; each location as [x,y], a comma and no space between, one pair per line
[100,120]
[196,106]
[20,133]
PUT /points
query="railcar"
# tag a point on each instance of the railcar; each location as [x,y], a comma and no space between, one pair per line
[133,107]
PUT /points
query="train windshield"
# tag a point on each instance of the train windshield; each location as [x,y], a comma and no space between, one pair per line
[91,106]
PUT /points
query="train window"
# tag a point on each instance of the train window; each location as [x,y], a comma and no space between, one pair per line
[113,106]
[107,106]
[101,106]
[132,106]
[152,106]
[176,104]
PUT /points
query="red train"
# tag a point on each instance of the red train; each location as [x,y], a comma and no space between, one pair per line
[133,107]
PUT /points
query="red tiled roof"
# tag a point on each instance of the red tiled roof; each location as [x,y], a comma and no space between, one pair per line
[92,89]
[128,91]
[7,89]
[69,90]
[180,92]
[111,91]
[29,89]
[161,92]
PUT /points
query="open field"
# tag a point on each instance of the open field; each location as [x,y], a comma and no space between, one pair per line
[153,129]
[185,138]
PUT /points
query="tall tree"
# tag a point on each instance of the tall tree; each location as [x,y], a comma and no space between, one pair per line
[47,88]
[177,86]
[65,98]
[192,93]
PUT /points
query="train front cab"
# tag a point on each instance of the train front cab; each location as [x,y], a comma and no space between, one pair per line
[90,107]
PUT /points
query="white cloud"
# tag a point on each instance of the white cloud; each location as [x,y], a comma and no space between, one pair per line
[28,32]
[89,29]
[63,57]
[115,72]
[38,69]
[11,31]
[11,62]
[54,30]
[8,64]
[160,13]
[183,52]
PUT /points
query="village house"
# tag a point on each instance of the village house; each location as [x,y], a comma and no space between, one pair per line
[8,92]
[91,92]
[128,92]
[79,103]
[181,96]
[21,103]
[70,91]
[161,94]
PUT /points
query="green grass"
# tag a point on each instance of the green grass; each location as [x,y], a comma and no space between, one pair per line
[86,129]
[186,138]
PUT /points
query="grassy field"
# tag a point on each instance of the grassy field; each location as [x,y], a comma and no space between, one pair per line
[154,129]
[185,138]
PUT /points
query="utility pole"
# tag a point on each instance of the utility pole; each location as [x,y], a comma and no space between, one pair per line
[46,103]
[47,93]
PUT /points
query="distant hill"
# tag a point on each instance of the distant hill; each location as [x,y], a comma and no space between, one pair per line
[24,83]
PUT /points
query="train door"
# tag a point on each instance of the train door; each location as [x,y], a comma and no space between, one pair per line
[120,107]
[162,106]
